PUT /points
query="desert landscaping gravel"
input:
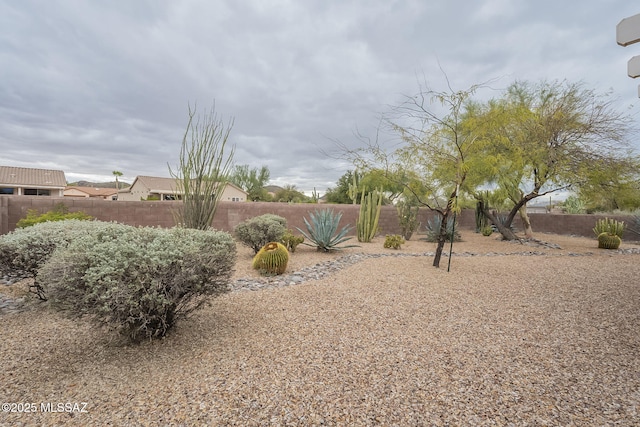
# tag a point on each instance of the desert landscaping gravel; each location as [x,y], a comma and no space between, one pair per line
[513,335]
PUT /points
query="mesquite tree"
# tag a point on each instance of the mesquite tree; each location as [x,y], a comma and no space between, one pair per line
[434,159]
[203,170]
[545,138]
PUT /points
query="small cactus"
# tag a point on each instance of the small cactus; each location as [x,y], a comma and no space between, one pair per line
[608,241]
[393,241]
[272,259]
[487,230]
[290,241]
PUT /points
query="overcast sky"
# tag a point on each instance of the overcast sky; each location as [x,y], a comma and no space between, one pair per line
[89,87]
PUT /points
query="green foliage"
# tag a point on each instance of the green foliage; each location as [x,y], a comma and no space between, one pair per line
[608,241]
[271,259]
[24,251]
[290,194]
[260,230]
[574,205]
[367,223]
[60,212]
[290,241]
[323,232]
[393,241]
[251,180]
[141,281]
[203,170]
[433,229]
[407,219]
[608,225]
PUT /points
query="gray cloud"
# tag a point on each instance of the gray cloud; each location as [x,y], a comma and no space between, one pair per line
[89,87]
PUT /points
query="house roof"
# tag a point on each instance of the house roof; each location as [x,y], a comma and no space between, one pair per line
[156,184]
[92,191]
[43,178]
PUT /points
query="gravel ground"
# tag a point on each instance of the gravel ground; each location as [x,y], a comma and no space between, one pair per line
[513,335]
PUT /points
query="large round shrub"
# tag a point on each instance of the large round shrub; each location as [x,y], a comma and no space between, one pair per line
[141,282]
[260,230]
[25,250]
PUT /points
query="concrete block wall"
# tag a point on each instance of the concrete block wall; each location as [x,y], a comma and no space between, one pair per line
[230,214]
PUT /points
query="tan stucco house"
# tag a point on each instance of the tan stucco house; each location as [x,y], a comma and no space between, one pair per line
[157,188]
[96,193]
[31,182]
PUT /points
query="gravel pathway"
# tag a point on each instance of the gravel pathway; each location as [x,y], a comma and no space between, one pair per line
[512,336]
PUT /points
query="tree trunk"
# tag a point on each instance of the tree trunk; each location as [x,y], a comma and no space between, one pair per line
[439,249]
[526,223]
[504,229]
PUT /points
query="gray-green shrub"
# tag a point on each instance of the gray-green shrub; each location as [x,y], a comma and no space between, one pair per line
[142,281]
[260,230]
[25,250]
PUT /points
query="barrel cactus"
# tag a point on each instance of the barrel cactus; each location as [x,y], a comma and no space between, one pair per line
[608,241]
[272,259]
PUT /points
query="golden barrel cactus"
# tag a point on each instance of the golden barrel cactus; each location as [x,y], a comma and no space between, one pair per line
[272,259]
[608,241]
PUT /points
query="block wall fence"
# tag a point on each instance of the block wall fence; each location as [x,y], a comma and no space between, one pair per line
[230,214]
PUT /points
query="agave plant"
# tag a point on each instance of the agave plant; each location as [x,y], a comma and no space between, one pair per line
[323,232]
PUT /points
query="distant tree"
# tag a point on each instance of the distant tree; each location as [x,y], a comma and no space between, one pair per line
[340,193]
[251,180]
[203,169]
[290,194]
[365,181]
[117,174]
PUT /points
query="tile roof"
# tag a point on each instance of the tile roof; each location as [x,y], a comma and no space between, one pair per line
[10,175]
[92,191]
[159,184]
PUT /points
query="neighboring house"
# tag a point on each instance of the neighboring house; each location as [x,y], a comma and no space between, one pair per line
[156,188]
[32,182]
[96,193]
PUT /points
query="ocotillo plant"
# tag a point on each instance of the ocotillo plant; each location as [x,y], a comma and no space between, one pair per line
[367,223]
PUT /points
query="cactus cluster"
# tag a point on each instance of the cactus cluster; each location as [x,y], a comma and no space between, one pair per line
[367,224]
[609,232]
[608,225]
[272,259]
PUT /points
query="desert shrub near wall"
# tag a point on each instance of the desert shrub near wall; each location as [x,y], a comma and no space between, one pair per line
[141,282]
[25,250]
[260,230]
[60,212]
